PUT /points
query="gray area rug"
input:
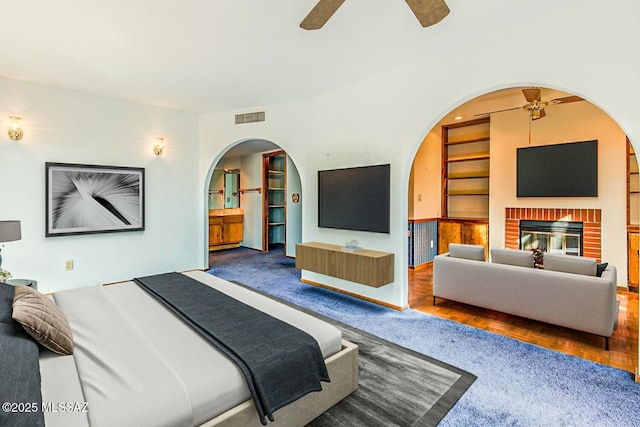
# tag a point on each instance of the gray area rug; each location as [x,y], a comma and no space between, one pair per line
[397,386]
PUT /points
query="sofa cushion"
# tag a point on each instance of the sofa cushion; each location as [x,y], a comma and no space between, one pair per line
[570,264]
[515,257]
[473,252]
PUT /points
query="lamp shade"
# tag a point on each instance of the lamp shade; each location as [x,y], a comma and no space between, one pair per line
[10,231]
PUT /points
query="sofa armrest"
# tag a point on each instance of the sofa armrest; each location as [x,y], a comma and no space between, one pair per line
[610,274]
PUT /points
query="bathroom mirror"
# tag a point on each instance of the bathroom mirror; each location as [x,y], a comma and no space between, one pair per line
[231,188]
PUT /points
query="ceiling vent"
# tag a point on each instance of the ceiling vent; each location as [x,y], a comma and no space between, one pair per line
[258,116]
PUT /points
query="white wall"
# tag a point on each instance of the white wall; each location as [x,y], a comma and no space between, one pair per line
[427,174]
[580,121]
[69,127]
[216,199]
[384,119]
[294,209]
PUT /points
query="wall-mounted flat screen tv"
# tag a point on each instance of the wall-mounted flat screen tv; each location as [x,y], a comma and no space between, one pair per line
[355,198]
[558,170]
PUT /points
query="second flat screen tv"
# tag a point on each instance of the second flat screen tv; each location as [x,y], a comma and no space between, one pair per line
[355,198]
[558,170]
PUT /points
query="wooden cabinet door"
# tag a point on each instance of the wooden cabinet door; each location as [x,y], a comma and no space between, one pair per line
[476,234]
[215,231]
[634,245]
[215,234]
[448,232]
[461,231]
[232,229]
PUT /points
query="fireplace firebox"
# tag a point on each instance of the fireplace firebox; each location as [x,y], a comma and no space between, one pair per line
[564,237]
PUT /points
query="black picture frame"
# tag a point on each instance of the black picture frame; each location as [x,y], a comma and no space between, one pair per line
[87,199]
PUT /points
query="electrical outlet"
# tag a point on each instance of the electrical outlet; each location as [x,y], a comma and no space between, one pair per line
[432,244]
[68,265]
[419,197]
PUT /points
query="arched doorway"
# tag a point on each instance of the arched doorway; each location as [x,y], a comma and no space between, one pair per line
[239,189]
[484,135]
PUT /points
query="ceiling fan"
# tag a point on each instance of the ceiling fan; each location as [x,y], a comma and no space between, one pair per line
[535,106]
[428,12]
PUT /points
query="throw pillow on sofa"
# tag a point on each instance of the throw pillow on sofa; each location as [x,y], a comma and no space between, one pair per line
[600,268]
[570,264]
[472,252]
[515,257]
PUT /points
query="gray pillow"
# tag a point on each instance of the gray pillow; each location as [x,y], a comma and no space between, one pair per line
[515,257]
[570,264]
[473,252]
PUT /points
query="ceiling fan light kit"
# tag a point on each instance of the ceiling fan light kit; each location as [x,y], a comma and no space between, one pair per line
[536,109]
[428,12]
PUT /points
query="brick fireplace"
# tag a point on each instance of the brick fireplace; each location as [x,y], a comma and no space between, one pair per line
[590,219]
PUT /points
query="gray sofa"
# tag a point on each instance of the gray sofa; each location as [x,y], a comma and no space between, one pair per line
[567,292]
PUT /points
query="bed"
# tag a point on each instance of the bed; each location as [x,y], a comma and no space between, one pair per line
[136,364]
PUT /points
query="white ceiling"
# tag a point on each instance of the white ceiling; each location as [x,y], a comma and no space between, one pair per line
[220,55]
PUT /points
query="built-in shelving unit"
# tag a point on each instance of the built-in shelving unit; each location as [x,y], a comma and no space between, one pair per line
[633,219]
[633,186]
[465,169]
[274,196]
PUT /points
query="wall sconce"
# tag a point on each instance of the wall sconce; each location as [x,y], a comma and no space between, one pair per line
[158,147]
[14,129]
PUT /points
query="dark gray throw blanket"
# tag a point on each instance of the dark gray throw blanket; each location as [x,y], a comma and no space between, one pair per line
[19,370]
[280,362]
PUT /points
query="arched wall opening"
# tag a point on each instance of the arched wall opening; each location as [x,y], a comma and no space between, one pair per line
[245,158]
[510,127]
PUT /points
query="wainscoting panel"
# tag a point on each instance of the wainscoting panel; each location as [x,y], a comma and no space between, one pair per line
[421,235]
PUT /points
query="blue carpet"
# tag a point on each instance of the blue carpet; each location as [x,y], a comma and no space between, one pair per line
[518,384]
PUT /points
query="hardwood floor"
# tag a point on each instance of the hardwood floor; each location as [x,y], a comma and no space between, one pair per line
[624,341]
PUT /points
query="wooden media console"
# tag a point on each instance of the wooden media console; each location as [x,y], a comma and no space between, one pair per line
[367,267]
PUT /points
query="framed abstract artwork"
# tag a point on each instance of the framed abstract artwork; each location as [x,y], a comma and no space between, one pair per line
[82,199]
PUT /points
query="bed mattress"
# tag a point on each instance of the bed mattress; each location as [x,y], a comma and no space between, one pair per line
[136,364]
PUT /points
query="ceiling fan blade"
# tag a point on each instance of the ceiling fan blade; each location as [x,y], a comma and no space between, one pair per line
[532,94]
[320,14]
[428,12]
[497,111]
[566,99]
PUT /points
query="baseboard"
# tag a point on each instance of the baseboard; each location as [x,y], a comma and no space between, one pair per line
[420,266]
[638,375]
[223,247]
[353,294]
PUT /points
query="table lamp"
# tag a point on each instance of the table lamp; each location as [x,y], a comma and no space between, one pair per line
[9,231]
